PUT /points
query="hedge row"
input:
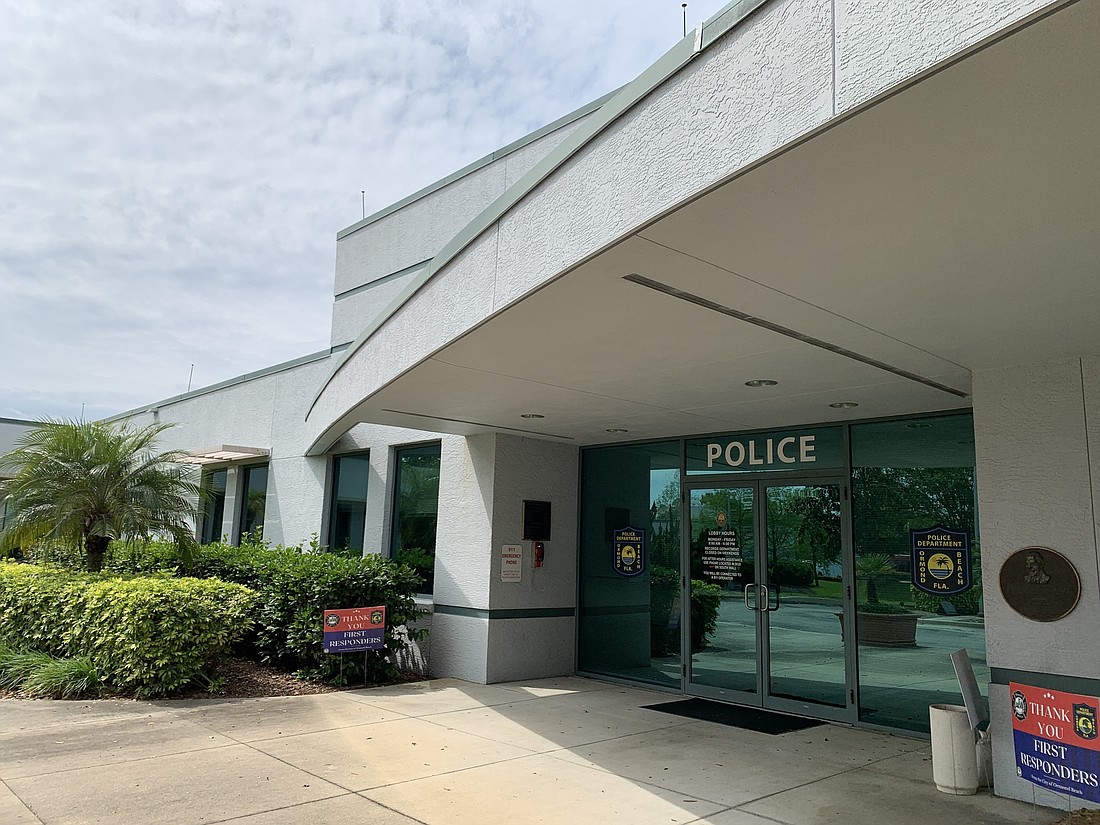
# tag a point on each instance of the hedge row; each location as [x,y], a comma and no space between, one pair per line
[295,589]
[150,634]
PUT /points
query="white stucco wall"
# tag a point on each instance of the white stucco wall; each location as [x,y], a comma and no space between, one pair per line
[882,42]
[352,312]
[783,72]
[484,629]
[418,231]
[536,644]
[268,412]
[10,431]
[1037,444]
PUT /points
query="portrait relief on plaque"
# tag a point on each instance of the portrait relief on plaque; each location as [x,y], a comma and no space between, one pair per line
[1040,584]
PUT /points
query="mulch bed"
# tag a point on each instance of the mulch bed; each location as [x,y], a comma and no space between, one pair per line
[245,679]
[1081,818]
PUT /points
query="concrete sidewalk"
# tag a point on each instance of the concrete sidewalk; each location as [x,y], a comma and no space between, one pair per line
[443,752]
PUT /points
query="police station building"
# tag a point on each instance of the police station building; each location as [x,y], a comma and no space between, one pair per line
[772,377]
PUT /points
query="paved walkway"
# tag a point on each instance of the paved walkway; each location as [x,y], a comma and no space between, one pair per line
[447,752]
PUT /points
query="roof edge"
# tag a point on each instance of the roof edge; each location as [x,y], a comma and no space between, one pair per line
[221,385]
[480,163]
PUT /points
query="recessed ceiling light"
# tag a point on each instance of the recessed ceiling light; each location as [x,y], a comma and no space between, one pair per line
[761,382]
[844,405]
[532,415]
[918,425]
[616,430]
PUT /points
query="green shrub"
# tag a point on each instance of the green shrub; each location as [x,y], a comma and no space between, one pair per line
[132,557]
[295,589]
[664,632]
[791,573]
[145,635]
[966,604]
[705,601]
[419,560]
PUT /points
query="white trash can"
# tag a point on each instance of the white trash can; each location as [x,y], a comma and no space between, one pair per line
[954,762]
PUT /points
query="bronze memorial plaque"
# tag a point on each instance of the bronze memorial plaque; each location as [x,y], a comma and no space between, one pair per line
[1040,583]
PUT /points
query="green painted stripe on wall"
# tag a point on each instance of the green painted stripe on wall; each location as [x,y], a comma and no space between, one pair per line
[518,613]
[1053,681]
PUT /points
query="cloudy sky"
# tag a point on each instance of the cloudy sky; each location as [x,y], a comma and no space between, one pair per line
[173,175]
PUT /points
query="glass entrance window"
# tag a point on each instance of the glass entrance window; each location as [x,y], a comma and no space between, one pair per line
[767,595]
[724,596]
[630,604]
[805,581]
[910,476]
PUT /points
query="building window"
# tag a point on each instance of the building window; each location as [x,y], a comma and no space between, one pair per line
[213,506]
[253,501]
[416,508]
[912,475]
[630,626]
[348,516]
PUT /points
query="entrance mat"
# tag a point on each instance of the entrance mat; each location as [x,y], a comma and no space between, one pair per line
[761,721]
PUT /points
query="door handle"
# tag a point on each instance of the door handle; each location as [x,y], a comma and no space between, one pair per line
[771,609]
[751,607]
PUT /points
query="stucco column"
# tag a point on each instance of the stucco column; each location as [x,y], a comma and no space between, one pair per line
[1037,445]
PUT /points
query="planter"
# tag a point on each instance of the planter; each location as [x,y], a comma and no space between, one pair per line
[884,629]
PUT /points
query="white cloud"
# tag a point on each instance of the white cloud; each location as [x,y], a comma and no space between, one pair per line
[172,175]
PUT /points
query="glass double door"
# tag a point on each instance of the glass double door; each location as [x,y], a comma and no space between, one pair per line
[769,595]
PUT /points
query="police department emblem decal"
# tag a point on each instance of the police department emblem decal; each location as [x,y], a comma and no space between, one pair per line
[629,559]
[1084,721]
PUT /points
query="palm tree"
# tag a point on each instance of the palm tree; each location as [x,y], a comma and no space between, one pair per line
[87,482]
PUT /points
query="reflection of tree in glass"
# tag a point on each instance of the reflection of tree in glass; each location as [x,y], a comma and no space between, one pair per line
[664,527]
[418,501]
[887,502]
[818,531]
[254,509]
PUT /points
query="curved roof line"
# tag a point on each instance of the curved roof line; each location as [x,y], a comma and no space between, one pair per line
[627,97]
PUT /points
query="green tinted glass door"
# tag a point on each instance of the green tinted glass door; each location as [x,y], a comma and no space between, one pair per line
[805,590]
[724,626]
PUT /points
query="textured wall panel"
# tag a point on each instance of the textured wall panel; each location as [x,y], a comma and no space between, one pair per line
[417,232]
[530,648]
[464,532]
[353,312]
[539,471]
[882,42]
[766,82]
[458,648]
[1034,489]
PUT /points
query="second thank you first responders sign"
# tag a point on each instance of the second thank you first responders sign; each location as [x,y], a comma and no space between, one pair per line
[1055,739]
[355,628]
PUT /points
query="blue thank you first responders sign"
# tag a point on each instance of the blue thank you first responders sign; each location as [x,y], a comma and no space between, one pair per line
[355,628]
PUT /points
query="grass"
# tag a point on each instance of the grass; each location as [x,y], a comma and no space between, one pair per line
[828,589]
